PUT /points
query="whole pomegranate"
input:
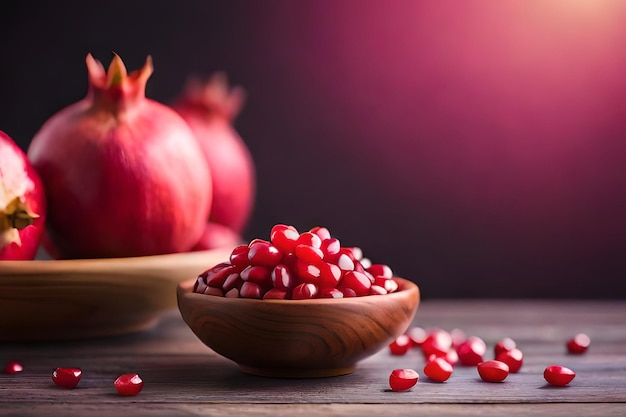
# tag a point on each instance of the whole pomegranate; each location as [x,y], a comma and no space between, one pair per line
[22,203]
[209,107]
[124,174]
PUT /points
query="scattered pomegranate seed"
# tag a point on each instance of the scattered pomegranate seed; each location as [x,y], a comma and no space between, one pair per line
[438,369]
[128,384]
[458,336]
[437,342]
[504,345]
[403,379]
[558,375]
[13,367]
[66,377]
[514,358]
[493,371]
[400,345]
[417,335]
[578,344]
[471,351]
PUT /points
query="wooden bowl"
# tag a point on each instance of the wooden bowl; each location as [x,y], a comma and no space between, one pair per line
[45,300]
[298,338]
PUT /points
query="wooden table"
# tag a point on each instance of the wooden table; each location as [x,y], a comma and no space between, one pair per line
[184,378]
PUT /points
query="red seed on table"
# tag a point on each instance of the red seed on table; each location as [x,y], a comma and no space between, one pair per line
[504,345]
[128,384]
[558,375]
[417,335]
[438,370]
[13,367]
[403,379]
[400,345]
[578,344]
[514,358]
[437,342]
[66,377]
[471,351]
[493,371]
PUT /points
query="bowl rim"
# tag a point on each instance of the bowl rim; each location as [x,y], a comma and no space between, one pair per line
[184,289]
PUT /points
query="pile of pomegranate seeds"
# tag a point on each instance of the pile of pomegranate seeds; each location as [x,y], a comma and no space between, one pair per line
[296,266]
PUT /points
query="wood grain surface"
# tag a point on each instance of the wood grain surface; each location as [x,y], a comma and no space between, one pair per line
[185,378]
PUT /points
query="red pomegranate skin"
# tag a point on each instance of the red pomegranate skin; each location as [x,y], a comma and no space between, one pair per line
[123,173]
[210,108]
[19,179]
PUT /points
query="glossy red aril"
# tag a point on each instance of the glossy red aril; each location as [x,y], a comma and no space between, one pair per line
[504,345]
[380,270]
[128,384]
[329,292]
[209,107]
[493,371]
[330,274]
[304,291]
[558,375]
[389,284]
[239,257]
[400,345]
[322,232]
[471,351]
[438,369]
[309,239]
[124,174]
[275,294]
[250,290]
[264,253]
[282,278]
[438,342]
[330,247]
[257,274]
[514,358]
[417,335]
[403,379]
[578,344]
[309,254]
[13,367]
[66,377]
[284,237]
[22,203]
[357,281]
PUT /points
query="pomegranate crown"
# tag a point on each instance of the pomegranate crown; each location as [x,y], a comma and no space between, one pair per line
[215,95]
[116,78]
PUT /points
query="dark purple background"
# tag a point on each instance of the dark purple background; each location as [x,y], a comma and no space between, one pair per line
[477,147]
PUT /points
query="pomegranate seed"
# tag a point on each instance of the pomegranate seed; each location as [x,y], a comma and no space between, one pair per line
[275,294]
[309,239]
[216,278]
[331,248]
[438,370]
[437,342]
[233,281]
[257,274]
[400,345]
[330,293]
[389,284]
[377,290]
[345,262]
[284,237]
[366,263]
[458,336]
[504,345]
[66,377]
[307,272]
[450,356]
[200,285]
[13,367]
[304,291]
[348,292]
[558,375]
[214,291]
[493,371]
[380,270]
[263,253]
[355,252]
[358,281]
[417,335]
[128,384]
[232,293]
[282,278]
[514,358]
[578,344]
[471,351]
[239,257]
[321,232]
[330,274]
[250,289]
[309,254]
[403,379]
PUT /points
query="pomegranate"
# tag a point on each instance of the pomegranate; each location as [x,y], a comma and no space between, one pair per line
[22,203]
[209,107]
[124,174]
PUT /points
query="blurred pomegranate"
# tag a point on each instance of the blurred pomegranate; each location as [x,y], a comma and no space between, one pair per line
[22,203]
[209,107]
[124,174]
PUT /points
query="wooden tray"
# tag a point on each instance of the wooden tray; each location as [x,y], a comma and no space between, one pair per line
[45,300]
